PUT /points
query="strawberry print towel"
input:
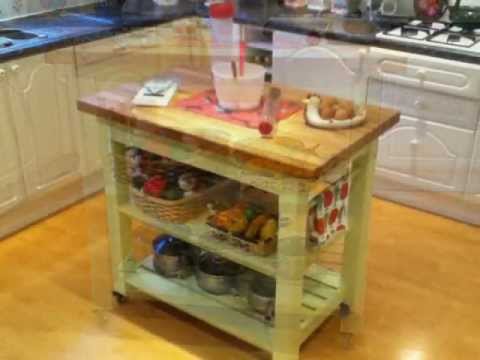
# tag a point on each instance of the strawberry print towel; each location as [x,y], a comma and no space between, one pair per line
[328,212]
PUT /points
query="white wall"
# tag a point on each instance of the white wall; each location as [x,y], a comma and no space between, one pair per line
[18,8]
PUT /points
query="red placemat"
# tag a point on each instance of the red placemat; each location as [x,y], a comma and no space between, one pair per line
[206,103]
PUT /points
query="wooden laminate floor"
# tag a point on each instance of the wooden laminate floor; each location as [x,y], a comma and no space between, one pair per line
[422,301]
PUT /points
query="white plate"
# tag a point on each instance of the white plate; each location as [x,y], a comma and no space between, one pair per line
[313,118]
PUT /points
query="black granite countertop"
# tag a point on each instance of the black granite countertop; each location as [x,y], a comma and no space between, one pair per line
[79,25]
[74,26]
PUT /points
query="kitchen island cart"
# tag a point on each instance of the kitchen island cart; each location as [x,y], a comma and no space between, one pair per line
[297,165]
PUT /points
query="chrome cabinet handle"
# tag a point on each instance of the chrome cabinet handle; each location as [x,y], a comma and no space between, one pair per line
[419,104]
[422,75]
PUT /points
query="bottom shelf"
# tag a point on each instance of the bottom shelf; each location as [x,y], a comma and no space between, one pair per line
[182,294]
[230,313]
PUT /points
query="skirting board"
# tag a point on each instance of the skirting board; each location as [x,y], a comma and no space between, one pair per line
[454,205]
[35,209]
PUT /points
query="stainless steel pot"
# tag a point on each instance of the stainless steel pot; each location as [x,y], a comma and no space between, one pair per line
[172,257]
[262,296]
[216,284]
[216,275]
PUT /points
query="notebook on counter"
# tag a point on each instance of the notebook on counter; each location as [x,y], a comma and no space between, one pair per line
[156,92]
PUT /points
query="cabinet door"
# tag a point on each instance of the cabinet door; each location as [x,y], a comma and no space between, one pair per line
[43,96]
[424,104]
[431,156]
[319,65]
[473,188]
[12,190]
[97,77]
[201,45]
[176,41]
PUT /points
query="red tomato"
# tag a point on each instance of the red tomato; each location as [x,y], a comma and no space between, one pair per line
[327,198]
[155,186]
[320,226]
[265,128]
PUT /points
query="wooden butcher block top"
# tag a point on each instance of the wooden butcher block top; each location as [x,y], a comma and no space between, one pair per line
[297,149]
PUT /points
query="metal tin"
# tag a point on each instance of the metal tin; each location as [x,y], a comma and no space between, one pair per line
[172,257]
[216,275]
[262,296]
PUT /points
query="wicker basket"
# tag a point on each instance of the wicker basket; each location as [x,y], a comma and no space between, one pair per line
[179,211]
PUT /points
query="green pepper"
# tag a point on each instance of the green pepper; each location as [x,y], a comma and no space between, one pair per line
[251,213]
[172,193]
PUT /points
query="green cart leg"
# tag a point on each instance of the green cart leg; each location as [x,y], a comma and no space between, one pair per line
[293,208]
[356,243]
[119,225]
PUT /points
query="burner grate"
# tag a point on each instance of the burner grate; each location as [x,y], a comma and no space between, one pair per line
[463,39]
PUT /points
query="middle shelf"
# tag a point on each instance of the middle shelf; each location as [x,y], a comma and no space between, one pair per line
[196,232]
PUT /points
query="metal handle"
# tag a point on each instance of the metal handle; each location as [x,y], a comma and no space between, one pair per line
[415,142]
[419,104]
[2,73]
[14,67]
[120,48]
[422,74]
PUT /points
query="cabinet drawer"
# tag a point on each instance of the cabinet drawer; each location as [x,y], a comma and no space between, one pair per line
[112,47]
[97,51]
[434,156]
[418,74]
[429,105]
[429,73]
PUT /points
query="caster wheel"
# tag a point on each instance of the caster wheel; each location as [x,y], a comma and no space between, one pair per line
[344,310]
[346,341]
[121,299]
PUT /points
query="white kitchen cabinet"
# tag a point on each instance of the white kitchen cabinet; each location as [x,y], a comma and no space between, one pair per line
[201,41]
[434,106]
[432,74]
[43,94]
[427,160]
[473,187]
[12,189]
[132,57]
[320,65]
[434,157]
[40,139]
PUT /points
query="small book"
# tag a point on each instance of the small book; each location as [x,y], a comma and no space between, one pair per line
[156,92]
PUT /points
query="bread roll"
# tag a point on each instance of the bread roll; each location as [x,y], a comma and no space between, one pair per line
[341,114]
[327,112]
[328,101]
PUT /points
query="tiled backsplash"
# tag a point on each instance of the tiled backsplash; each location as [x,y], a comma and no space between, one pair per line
[17,8]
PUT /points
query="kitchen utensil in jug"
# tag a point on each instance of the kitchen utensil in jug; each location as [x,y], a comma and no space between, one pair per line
[465,12]
[430,10]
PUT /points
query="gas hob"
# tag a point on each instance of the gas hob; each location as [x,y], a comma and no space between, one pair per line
[436,34]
